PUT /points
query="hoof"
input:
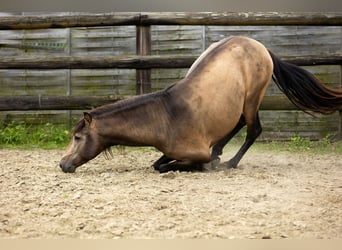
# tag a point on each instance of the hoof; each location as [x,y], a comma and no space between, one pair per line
[216,162]
[164,168]
[229,164]
[156,167]
[212,165]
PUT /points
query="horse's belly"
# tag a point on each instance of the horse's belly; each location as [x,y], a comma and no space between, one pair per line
[221,126]
[218,116]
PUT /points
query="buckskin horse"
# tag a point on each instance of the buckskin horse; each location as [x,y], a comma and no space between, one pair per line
[220,94]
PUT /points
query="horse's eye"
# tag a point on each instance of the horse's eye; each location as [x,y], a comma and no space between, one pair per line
[77,137]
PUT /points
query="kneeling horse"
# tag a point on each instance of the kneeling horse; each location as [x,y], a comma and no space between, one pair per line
[220,94]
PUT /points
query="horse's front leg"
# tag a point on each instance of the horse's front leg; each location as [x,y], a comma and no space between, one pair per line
[161,161]
[186,157]
[180,166]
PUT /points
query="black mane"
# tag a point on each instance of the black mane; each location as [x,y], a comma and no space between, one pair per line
[124,105]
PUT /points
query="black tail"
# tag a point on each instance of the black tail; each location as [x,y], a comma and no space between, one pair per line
[304,90]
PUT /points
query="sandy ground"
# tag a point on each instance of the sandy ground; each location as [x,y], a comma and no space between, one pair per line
[270,195]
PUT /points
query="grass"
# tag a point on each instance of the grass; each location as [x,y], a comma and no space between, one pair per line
[51,136]
[298,144]
[26,136]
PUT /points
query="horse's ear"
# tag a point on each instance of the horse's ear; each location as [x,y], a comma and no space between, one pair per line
[87,118]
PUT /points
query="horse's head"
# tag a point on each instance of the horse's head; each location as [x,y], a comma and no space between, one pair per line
[85,144]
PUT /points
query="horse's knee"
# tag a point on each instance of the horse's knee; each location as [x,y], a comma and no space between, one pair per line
[192,155]
[179,166]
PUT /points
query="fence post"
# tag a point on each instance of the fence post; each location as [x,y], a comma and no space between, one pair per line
[143,48]
[339,132]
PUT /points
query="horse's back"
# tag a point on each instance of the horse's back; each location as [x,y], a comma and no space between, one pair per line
[229,55]
[215,89]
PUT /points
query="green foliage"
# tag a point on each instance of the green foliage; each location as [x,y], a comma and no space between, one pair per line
[33,136]
[298,143]
[49,136]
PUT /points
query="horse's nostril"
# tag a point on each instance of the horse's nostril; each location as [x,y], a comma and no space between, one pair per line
[62,164]
[71,170]
[67,169]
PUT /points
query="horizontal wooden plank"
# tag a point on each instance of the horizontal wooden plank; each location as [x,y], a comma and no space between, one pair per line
[67,20]
[87,102]
[95,62]
[284,40]
[104,32]
[16,103]
[277,103]
[76,19]
[285,124]
[137,62]
[35,118]
[54,102]
[241,18]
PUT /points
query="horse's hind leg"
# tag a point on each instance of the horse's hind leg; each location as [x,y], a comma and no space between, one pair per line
[254,129]
[163,163]
[218,147]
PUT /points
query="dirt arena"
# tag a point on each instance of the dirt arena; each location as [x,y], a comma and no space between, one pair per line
[270,195]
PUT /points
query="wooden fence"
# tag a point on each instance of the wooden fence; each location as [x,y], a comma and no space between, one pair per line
[143,61]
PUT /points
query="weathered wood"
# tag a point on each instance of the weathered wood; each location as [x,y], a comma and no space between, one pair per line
[277,103]
[32,46]
[335,59]
[242,18]
[24,103]
[167,40]
[95,62]
[77,19]
[18,103]
[339,130]
[143,48]
[68,20]
[134,62]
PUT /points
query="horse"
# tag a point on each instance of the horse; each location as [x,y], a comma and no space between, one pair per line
[192,120]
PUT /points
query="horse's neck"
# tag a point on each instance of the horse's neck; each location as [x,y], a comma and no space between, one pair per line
[143,124]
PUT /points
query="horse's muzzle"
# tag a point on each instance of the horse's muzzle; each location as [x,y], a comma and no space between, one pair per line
[67,167]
